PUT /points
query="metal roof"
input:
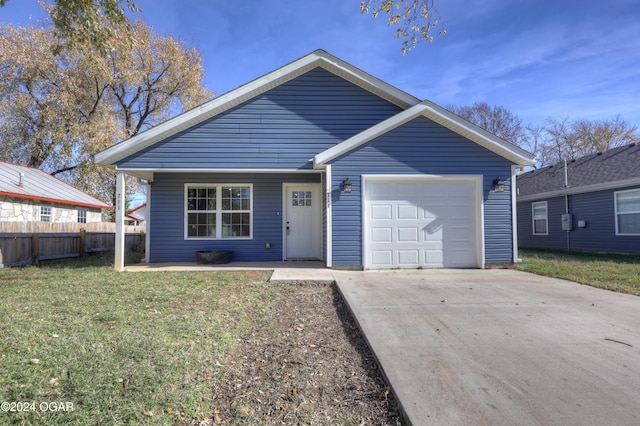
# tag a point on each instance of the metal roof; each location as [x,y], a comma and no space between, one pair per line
[29,183]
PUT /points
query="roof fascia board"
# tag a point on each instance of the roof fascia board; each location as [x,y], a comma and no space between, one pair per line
[477,134]
[210,171]
[55,200]
[439,115]
[580,189]
[111,156]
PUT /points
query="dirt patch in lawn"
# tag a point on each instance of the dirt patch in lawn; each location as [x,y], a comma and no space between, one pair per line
[305,363]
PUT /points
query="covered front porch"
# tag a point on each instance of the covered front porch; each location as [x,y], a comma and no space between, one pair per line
[259,216]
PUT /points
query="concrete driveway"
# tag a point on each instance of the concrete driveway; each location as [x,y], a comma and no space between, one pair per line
[500,347]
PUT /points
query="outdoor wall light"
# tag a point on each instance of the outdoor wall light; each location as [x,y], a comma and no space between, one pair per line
[346,185]
[498,185]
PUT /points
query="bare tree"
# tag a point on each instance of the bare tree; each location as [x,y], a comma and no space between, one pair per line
[495,119]
[565,139]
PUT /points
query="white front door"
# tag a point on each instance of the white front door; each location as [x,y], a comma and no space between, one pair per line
[302,221]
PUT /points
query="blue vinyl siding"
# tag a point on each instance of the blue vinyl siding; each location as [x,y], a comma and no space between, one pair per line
[167,226]
[420,147]
[597,209]
[282,128]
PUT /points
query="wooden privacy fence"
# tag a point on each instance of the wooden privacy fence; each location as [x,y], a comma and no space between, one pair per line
[18,249]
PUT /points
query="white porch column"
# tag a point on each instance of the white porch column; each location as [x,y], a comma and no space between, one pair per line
[120,207]
[147,234]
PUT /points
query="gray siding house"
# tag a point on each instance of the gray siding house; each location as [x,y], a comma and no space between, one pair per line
[320,160]
[591,203]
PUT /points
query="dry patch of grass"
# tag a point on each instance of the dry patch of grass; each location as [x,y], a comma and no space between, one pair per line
[616,272]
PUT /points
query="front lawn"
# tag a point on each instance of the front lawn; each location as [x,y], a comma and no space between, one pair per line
[617,272]
[179,348]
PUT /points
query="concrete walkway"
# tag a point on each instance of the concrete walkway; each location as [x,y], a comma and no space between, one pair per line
[500,347]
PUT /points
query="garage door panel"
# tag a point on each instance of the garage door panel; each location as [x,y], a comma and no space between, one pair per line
[428,223]
[407,211]
[409,257]
[381,211]
[382,258]
[382,235]
[408,235]
[433,258]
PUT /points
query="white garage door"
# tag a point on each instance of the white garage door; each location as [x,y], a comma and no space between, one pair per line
[421,222]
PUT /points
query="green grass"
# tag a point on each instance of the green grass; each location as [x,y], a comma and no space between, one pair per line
[135,348]
[616,272]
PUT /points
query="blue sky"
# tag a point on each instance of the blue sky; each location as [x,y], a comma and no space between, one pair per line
[537,58]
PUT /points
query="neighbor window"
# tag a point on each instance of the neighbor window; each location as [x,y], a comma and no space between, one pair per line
[45,214]
[82,216]
[627,212]
[218,211]
[539,211]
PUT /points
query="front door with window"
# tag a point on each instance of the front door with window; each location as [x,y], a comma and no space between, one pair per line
[302,221]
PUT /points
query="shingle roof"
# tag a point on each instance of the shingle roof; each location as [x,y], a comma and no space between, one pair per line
[38,185]
[615,165]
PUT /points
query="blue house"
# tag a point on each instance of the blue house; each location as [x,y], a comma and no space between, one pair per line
[321,160]
[590,203]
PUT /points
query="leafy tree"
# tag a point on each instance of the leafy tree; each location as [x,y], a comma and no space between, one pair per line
[416,20]
[78,22]
[57,110]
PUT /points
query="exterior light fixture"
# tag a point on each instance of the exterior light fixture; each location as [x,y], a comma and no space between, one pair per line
[498,185]
[346,185]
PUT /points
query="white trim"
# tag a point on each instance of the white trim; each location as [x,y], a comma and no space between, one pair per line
[218,211]
[533,218]
[477,180]
[319,58]
[439,115]
[317,188]
[148,174]
[615,207]
[514,215]
[581,189]
[329,213]
[147,219]
[121,189]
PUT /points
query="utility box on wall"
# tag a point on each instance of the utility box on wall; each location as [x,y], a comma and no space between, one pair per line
[567,222]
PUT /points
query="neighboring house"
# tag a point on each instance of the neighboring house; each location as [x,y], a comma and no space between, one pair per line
[29,195]
[136,216]
[320,160]
[592,203]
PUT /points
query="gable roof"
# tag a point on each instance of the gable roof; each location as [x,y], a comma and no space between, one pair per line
[616,167]
[319,58]
[439,115]
[38,185]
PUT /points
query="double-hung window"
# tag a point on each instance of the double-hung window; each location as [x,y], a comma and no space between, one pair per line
[45,214]
[82,216]
[218,211]
[627,212]
[540,218]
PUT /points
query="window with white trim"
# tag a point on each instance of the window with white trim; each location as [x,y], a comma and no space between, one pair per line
[540,218]
[627,212]
[218,211]
[45,214]
[82,216]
